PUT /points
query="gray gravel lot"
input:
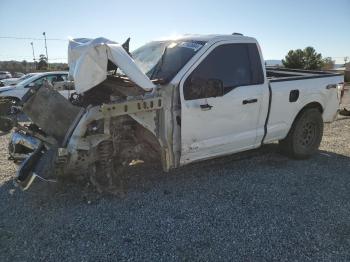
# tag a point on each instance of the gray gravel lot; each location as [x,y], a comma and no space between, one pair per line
[253,206]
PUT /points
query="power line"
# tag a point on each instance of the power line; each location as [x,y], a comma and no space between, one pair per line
[31,38]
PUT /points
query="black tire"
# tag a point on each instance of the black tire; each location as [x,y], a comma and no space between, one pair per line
[305,135]
[5,125]
[6,104]
[344,112]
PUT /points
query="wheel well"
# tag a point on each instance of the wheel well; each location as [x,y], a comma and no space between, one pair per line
[135,140]
[316,105]
[313,105]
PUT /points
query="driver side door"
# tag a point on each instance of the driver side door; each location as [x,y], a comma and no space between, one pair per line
[213,126]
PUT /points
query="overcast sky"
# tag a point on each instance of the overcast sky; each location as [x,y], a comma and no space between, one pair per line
[278,25]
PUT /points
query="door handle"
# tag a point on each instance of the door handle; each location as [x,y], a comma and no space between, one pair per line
[331,86]
[249,101]
[206,107]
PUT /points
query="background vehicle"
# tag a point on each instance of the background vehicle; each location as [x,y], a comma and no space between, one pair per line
[183,100]
[16,92]
[17,74]
[5,74]
[14,81]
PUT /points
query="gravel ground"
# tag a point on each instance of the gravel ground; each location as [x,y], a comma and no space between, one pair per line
[253,206]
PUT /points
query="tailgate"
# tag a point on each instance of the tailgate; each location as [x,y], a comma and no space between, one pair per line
[345,96]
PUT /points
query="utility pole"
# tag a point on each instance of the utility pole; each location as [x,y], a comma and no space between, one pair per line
[47,56]
[31,43]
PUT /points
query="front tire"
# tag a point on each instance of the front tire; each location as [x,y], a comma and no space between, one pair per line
[6,125]
[305,135]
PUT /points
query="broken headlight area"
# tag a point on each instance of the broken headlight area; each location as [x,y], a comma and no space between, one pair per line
[21,145]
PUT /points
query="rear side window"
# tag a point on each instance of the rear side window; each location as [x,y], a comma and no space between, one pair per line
[234,64]
[255,65]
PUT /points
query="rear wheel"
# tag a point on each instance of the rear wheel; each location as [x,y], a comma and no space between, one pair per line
[344,112]
[304,138]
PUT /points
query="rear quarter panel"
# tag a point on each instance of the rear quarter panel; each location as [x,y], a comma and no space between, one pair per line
[283,112]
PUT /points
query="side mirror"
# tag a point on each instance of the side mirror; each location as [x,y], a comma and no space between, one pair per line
[197,88]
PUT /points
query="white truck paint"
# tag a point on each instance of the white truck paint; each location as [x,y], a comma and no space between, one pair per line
[212,96]
[219,131]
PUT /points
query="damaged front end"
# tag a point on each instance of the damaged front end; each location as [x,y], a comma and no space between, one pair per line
[95,141]
[99,132]
[113,121]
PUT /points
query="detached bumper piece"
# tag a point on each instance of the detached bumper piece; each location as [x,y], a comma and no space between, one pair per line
[40,164]
[25,175]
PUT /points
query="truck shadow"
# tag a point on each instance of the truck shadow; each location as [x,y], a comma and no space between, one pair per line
[149,178]
[243,189]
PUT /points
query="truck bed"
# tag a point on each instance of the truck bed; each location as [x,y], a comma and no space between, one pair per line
[275,74]
[291,90]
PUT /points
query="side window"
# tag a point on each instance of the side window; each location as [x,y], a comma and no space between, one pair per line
[56,78]
[39,81]
[61,78]
[51,78]
[234,64]
[255,64]
[64,77]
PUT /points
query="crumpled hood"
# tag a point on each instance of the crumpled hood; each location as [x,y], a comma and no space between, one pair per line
[88,58]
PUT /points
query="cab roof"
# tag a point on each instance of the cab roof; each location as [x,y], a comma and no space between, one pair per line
[210,38]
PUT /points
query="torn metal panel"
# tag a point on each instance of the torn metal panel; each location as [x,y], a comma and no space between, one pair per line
[51,112]
[107,111]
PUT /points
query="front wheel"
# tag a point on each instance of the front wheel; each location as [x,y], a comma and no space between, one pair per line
[305,135]
[6,124]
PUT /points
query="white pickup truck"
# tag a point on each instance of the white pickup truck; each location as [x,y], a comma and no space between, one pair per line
[176,101]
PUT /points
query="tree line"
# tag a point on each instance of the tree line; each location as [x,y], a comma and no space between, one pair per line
[307,59]
[29,67]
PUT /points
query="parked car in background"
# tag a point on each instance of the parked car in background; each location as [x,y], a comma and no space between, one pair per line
[18,74]
[15,81]
[5,74]
[16,92]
